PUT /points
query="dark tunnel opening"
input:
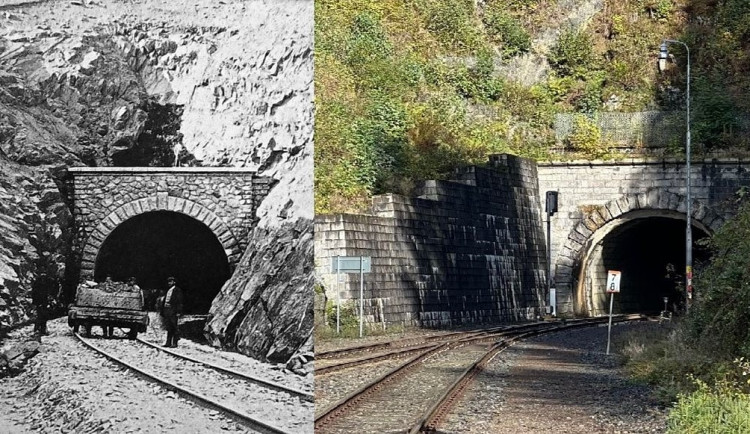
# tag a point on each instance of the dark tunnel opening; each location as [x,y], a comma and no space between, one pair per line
[645,250]
[155,245]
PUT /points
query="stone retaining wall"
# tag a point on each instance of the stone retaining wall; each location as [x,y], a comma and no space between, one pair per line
[465,251]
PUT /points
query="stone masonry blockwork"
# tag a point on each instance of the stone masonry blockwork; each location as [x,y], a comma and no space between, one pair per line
[464,251]
[224,199]
[473,249]
[594,193]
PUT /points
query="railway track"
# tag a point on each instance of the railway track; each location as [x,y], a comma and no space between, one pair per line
[261,405]
[337,360]
[414,395]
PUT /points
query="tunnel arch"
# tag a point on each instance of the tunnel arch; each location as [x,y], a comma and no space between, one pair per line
[575,257]
[154,245]
[161,203]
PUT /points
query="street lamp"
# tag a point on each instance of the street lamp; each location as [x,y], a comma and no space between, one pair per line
[688,230]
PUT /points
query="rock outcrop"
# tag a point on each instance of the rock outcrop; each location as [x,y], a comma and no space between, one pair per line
[33,237]
[131,83]
[266,308]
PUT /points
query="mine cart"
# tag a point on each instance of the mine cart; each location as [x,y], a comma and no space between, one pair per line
[109,304]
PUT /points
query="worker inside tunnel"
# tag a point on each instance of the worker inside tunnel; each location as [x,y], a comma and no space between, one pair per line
[650,253]
[156,245]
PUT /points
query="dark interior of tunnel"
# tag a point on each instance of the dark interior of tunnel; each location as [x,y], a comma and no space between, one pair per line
[155,245]
[650,253]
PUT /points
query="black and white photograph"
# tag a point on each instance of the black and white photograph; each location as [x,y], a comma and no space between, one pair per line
[156,216]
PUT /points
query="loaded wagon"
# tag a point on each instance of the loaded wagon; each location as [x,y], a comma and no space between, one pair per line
[108,305]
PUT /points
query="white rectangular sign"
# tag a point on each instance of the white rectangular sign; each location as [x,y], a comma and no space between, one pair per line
[613,281]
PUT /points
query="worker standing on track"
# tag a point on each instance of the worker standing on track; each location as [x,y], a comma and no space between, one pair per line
[40,297]
[171,310]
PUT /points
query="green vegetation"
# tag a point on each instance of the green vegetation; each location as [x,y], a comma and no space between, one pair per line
[408,90]
[349,324]
[723,408]
[702,361]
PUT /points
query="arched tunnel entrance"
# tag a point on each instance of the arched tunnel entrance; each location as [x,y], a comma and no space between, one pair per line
[155,245]
[650,253]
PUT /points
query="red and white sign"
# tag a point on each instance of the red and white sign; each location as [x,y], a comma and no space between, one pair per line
[613,281]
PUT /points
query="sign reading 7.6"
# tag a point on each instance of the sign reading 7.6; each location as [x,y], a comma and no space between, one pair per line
[613,281]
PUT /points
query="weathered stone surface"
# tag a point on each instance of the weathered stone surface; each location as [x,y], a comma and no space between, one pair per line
[654,187]
[473,254]
[31,224]
[266,308]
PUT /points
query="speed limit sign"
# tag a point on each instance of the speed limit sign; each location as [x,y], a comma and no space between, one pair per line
[613,281]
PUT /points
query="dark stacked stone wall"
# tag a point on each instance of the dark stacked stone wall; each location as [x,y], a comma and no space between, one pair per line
[465,251]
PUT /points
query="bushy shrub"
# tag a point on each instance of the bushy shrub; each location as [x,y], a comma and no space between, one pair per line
[452,23]
[348,316]
[586,137]
[658,9]
[723,408]
[720,318]
[714,118]
[505,29]
[478,81]
[573,53]
[368,52]
[379,141]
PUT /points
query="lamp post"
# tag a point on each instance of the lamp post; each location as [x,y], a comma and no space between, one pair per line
[688,230]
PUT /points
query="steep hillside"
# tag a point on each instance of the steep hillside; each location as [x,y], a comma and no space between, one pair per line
[408,90]
[130,83]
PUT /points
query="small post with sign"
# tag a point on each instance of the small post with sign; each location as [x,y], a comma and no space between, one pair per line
[338,295]
[352,264]
[613,286]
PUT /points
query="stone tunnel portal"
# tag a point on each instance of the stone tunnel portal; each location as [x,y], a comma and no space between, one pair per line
[644,250]
[155,245]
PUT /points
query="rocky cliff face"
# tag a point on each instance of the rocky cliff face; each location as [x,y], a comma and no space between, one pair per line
[266,308]
[132,83]
[33,237]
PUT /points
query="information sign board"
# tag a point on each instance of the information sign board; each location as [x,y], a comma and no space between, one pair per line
[351,264]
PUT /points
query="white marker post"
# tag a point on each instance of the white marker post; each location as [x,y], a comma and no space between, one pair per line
[613,285]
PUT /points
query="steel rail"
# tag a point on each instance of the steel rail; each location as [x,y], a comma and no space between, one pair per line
[239,415]
[322,370]
[242,376]
[434,416]
[469,336]
[515,332]
[348,401]
[383,345]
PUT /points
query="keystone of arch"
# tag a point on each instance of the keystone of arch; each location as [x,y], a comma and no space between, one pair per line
[160,202]
[580,237]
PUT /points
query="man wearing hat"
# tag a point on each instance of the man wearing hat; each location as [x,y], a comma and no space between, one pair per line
[171,310]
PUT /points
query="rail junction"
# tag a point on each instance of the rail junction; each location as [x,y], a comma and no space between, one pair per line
[408,386]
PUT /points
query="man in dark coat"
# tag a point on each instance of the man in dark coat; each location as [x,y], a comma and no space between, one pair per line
[171,310]
[41,290]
